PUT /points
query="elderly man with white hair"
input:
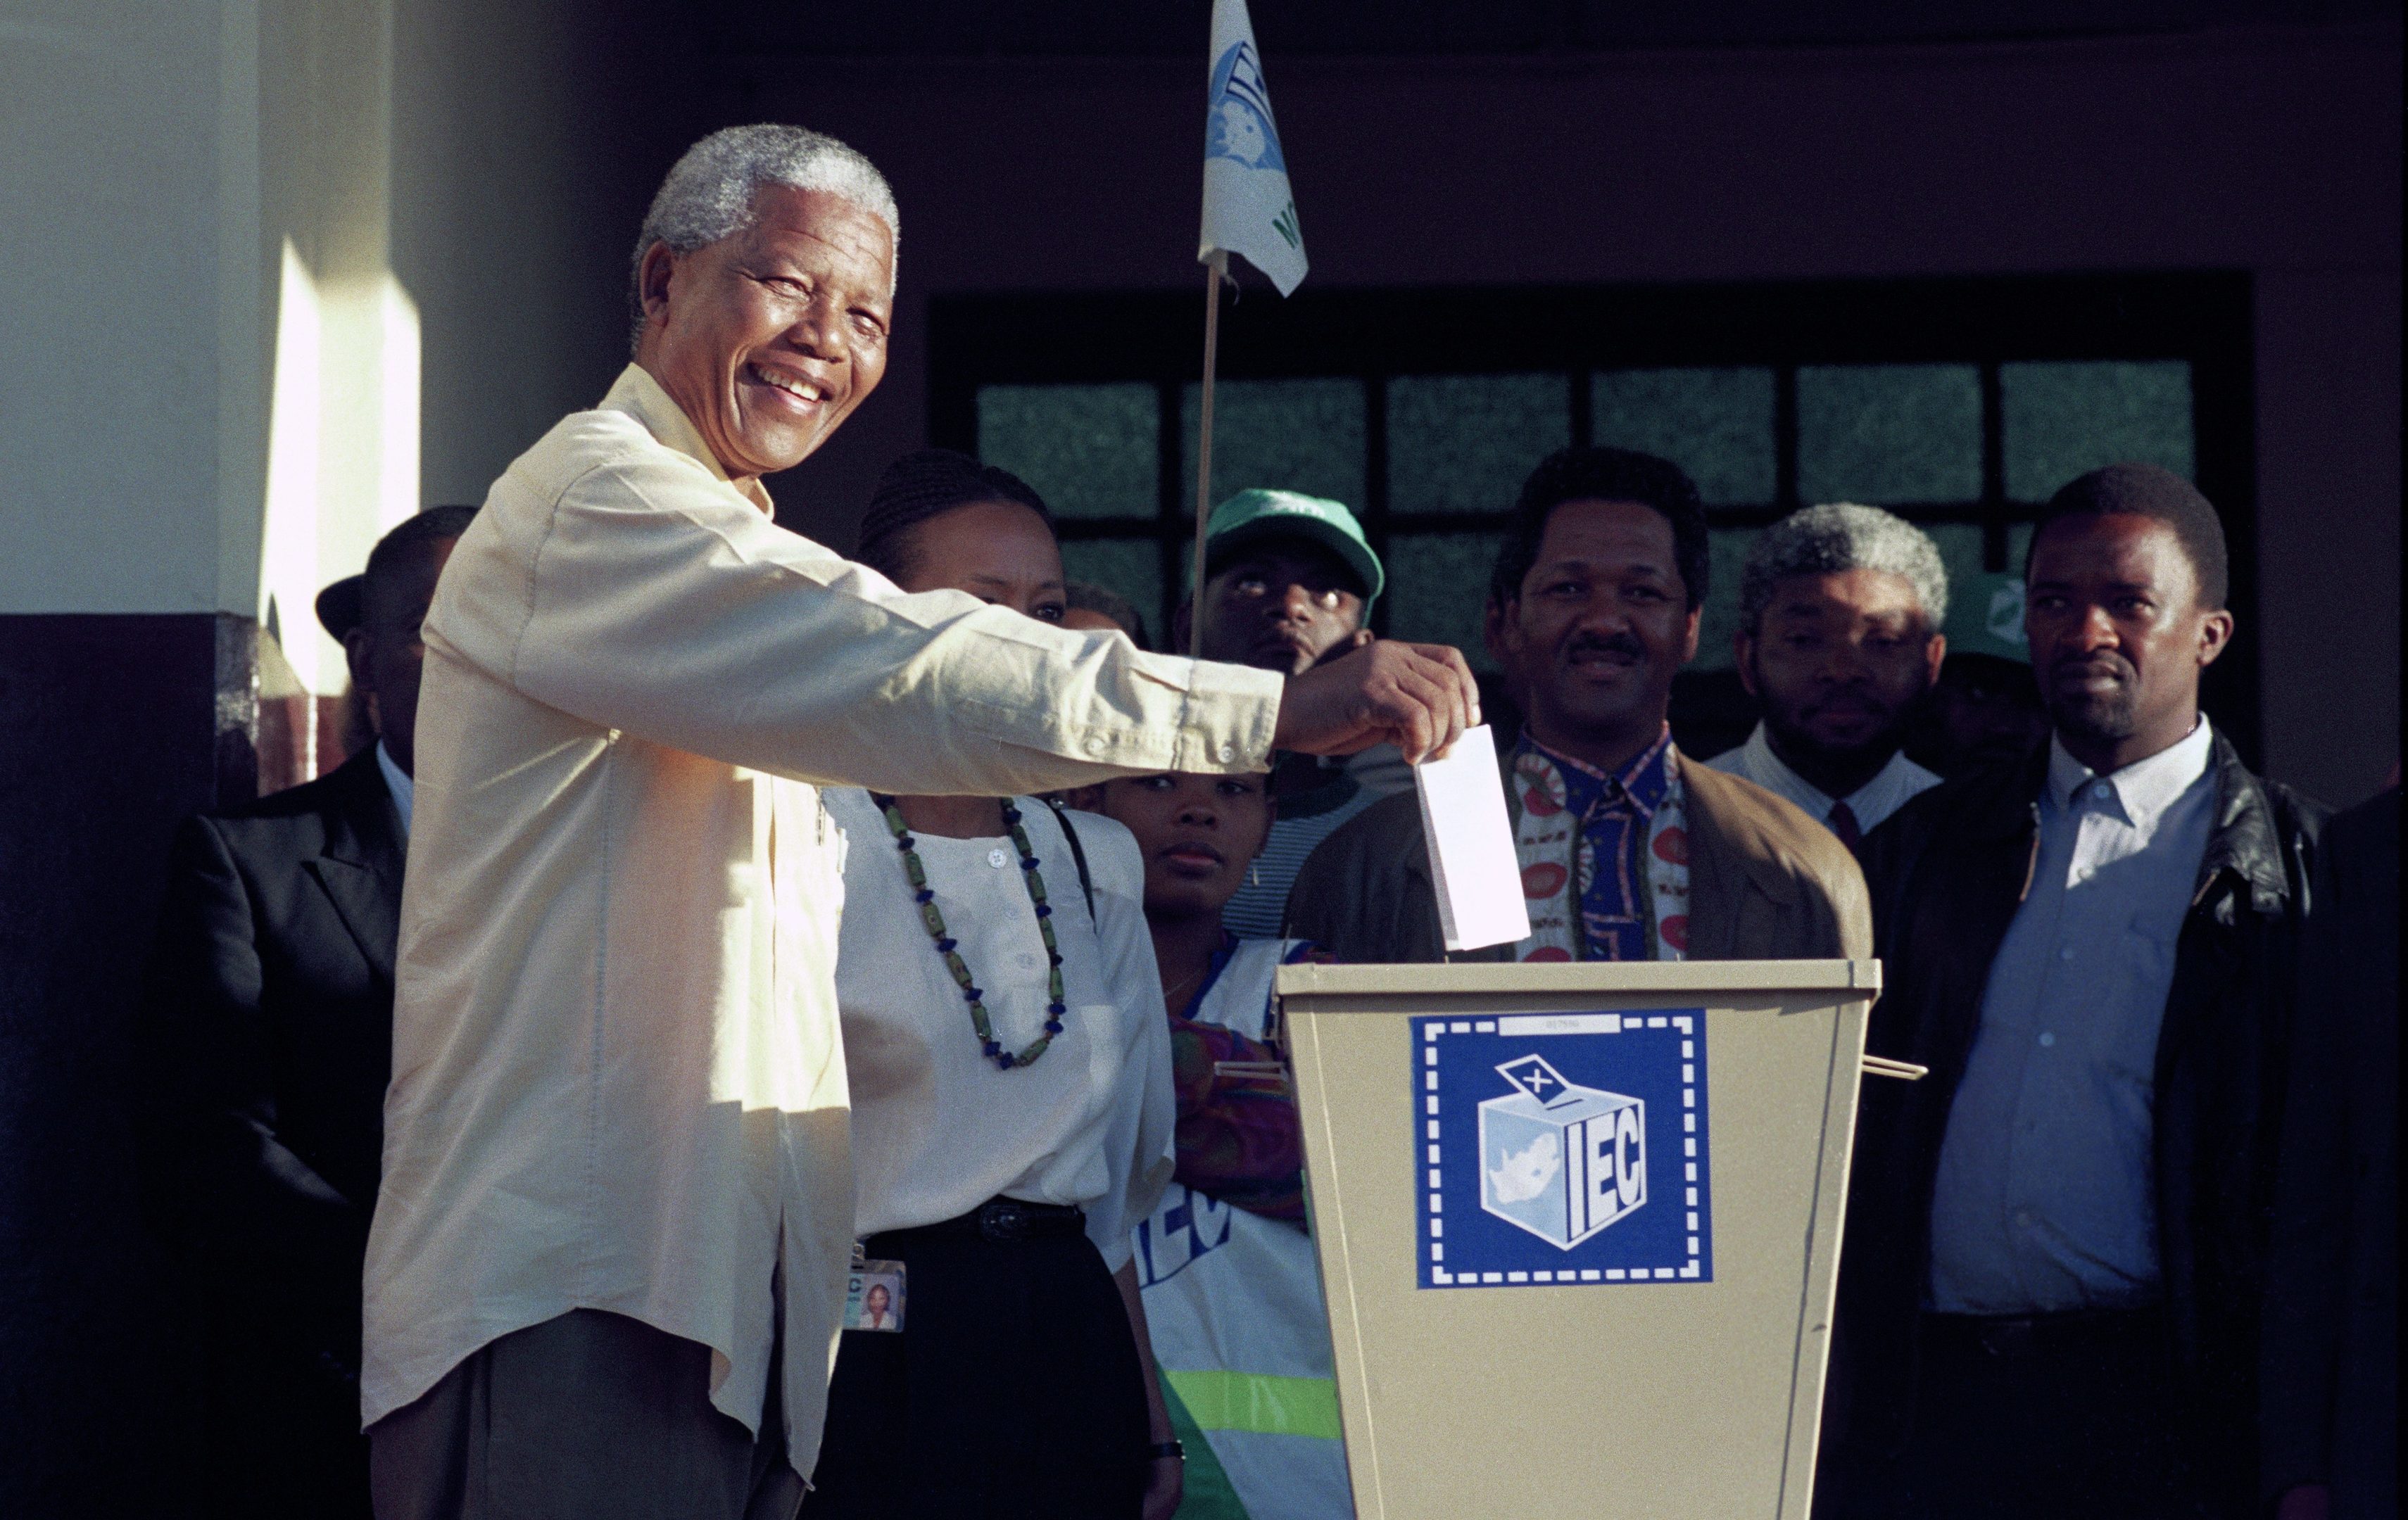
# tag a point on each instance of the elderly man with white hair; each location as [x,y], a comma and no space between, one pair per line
[610,1257]
[1839,639]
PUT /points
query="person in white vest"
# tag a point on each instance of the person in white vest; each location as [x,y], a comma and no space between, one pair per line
[611,1249]
[1232,1294]
[1839,641]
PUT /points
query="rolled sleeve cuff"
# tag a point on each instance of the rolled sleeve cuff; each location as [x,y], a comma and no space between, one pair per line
[1220,721]
[1232,712]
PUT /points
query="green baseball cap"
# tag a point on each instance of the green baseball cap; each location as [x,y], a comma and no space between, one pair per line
[1257,513]
[1985,616]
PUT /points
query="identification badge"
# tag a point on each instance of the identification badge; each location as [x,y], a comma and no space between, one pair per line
[873,1295]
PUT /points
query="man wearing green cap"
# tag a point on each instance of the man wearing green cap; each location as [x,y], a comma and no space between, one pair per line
[1289,580]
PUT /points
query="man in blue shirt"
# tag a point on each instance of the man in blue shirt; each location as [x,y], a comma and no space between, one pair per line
[2056,1240]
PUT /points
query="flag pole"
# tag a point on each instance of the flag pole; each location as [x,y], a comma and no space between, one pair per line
[1216,268]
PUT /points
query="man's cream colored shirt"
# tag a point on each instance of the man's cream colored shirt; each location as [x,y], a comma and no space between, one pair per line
[617,1080]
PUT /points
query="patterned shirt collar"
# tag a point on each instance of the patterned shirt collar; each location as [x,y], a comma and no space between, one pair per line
[1640,782]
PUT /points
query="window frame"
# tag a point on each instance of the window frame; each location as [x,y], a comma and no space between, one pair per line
[2202,319]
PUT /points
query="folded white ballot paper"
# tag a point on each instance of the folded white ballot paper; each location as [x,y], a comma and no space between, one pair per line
[1473,864]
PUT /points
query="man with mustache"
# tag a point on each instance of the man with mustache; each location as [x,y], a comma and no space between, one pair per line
[1630,849]
[1840,615]
[2048,1302]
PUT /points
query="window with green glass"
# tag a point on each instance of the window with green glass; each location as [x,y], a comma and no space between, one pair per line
[1438,585]
[1282,435]
[1889,434]
[1462,443]
[2064,420]
[1717,425]
[1089,450]
[1962,414]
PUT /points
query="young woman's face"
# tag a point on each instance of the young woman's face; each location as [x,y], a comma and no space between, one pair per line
[998,552]
[878,1298]
[1198,833]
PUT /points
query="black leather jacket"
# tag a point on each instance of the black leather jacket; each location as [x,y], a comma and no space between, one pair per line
[1947,874]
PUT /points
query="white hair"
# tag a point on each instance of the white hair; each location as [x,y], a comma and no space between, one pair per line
[710,192]
[1842,536]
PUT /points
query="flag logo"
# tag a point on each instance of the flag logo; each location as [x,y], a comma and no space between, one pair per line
[1248,208]
[1239,125]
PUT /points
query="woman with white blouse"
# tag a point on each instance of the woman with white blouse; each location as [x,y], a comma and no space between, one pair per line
[1012,1112]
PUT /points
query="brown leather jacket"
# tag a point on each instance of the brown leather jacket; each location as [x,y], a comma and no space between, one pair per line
[1766,882]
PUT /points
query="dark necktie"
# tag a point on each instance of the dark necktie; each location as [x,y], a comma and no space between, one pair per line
[1843,824]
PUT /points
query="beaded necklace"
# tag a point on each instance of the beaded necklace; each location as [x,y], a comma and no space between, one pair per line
[949,947]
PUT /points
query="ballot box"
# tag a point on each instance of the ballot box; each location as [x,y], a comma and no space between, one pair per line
[1578,1228]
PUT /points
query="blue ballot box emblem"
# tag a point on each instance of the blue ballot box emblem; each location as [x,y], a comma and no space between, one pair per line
[1563,1148]
[1561,1160]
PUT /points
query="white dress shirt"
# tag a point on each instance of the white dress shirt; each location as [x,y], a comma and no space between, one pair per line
[618,1080]
[937,1128]
[2045,1198]
[1897,784]
[397,783]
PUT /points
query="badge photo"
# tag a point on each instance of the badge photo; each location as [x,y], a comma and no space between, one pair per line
[1563,1148]
[873,1296]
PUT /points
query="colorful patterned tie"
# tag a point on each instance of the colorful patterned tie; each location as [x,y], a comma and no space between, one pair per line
[1843,824]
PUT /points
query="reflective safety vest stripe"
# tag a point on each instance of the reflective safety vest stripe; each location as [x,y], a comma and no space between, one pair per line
[1258,1401]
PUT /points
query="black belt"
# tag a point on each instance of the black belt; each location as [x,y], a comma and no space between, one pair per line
[2015,1337]
[1012,1219]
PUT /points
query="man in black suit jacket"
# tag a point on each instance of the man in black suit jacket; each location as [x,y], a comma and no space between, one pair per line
[267,1039]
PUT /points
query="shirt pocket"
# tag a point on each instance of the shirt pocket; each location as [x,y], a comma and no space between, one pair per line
[2132,1003]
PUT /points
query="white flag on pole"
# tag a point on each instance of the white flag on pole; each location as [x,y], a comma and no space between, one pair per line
[1247,206]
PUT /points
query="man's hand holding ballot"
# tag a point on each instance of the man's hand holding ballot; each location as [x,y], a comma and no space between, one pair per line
[1418,696]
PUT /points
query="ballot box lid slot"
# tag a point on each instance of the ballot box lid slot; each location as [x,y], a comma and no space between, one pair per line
[1312,983]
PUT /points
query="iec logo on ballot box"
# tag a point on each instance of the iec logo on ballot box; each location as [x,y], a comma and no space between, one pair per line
[1562,1148]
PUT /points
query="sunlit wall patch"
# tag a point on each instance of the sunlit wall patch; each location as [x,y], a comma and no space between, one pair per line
[1563,1148]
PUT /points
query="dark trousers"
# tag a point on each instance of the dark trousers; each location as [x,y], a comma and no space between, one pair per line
[2051,1417]
[1013,1390]
[589,1416]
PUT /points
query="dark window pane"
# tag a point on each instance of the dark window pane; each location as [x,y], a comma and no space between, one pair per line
[1462,443]
[1960,554]
[1719,620]
[2060,420]
[1089,450]
[1889,433]
[1287,435]
[1715,423]
[1438,585]
[1132,566]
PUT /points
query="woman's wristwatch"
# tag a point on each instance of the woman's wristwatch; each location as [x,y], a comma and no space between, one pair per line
[1166,1450]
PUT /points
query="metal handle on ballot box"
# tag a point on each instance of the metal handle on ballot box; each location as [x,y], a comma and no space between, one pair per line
[1882,1066]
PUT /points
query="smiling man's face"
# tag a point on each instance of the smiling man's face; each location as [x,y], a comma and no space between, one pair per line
[1602,624]
[768,338]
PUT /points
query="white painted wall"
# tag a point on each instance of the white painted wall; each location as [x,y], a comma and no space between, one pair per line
[117,382]
[258,246]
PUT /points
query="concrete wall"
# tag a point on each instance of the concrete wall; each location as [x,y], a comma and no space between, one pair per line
[2273,151]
